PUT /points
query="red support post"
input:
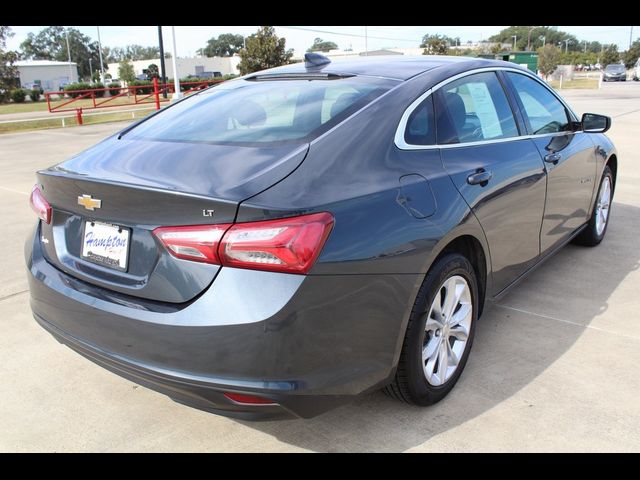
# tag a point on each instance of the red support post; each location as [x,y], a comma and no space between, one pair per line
[48,101]
[79,115]
[156,92]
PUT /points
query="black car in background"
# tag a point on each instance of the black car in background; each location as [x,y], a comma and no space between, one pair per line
[615,73]
[284,241]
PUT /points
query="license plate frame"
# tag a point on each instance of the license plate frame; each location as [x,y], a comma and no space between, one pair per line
[113,262]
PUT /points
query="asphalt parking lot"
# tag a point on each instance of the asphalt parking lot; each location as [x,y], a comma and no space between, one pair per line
[554,366]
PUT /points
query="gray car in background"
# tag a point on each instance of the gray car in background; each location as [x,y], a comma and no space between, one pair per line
[279,243]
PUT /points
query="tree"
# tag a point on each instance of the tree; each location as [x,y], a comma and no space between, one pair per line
[51,44]
[126,71]
[226,45]
[320,45]
[153,71]
[264,50]
[631,56]
[8,72]
[436,44]
[535,35]
[133,52]
[548,59]
[610,55]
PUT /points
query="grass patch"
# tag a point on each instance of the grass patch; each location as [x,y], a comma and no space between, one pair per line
[581,83]
[71,122]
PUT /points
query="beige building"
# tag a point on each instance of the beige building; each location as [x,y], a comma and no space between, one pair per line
[186,66]
[48,74]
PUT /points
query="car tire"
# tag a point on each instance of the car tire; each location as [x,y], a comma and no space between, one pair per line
[595,231]
[411,383]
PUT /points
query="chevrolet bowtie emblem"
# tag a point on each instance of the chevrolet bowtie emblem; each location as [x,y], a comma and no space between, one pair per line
[89,203]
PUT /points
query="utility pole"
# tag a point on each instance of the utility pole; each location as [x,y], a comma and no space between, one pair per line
[631,37]
[366,44]
[515,40]
[90,70]
[566,43]
[177,94]
[66,32]
[163,76]
[585,46]
[100,52]
[544,40]
[529,39]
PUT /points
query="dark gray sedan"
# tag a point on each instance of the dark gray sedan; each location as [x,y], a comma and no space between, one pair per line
[282,242]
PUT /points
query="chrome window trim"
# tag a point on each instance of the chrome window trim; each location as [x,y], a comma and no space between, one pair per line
[400,142]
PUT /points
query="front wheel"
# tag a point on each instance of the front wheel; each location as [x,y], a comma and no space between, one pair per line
[439,334]
[596,229]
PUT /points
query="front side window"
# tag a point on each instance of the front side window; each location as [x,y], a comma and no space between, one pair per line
[262,112]
[544,112]
[473,108]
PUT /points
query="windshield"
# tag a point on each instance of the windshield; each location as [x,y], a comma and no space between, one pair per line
[262,112]
[615,68]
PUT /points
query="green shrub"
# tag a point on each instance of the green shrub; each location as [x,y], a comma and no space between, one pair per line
[95,87]
[77,86]
[34,94]
[188,80]
[139,83]
[18,95]
[114,89]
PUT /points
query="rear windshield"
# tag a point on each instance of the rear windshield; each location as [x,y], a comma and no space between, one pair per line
[262,112]
[615,68]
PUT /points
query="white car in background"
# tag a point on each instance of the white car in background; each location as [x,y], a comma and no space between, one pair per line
[636,70]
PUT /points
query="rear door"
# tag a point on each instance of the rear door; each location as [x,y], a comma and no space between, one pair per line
[498,172]
[569,158]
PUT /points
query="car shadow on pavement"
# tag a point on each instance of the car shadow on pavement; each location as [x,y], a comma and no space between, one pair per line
[517,339]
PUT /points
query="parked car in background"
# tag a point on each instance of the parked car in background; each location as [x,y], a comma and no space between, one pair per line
[284,241]
[636,70]
[615,72]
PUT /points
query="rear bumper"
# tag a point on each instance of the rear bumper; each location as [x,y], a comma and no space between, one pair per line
[307,343]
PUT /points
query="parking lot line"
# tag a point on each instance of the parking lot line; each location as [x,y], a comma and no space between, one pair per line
[548,317]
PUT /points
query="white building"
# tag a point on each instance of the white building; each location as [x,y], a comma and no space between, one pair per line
[186,66]
[48,74]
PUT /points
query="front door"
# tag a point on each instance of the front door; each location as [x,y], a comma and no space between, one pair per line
[499,174]
[569,159]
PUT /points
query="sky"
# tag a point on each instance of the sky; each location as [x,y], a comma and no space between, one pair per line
[189,39]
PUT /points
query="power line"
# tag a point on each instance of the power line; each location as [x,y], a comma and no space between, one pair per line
[352,34]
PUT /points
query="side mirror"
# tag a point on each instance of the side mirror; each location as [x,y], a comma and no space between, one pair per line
[594,123]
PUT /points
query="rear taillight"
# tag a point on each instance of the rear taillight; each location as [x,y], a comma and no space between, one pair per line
[198,243]
[248,399]
[285,245]
[40,205]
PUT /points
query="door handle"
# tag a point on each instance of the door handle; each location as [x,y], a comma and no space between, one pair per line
[553,158]
[481,177]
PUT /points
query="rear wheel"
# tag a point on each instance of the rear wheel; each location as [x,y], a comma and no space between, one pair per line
[597,227]
[439,334]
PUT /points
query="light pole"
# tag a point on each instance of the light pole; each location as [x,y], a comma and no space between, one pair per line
[585,46]
[515,39]
[177,94]
[566,42]
[366,42]
[544,40]
[90,70]
[100,52]
[66,33]
[630,37]
[529,38]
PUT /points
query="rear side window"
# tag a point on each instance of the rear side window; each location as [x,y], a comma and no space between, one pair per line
[544,112]
[421,124]
[473,108]
[262,112]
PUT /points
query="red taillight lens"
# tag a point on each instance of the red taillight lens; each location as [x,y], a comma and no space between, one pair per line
[198,243]
[248,399]
[285,245]
[40,205]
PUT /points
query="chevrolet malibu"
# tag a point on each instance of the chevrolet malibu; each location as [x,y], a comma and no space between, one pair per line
[277,244]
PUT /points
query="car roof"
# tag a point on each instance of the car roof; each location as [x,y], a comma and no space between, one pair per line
[399,67]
